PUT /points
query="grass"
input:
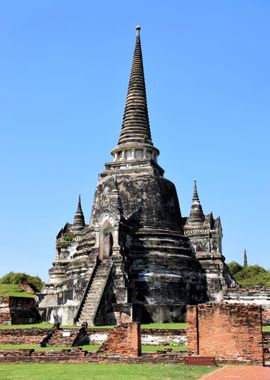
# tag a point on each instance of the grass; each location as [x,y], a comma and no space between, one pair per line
[101,371]
[38,325]
[13,290]
[266,328]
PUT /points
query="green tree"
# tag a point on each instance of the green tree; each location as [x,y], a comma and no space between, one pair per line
[251,275]
[234,267]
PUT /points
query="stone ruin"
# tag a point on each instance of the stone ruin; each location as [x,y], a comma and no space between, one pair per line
[18,310]
[138,259]
[231,333]
[216,333]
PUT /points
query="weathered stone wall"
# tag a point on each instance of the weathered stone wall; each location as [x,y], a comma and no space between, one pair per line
[164,313]
[124,340]
[227,332]
[251,296]
[18,310]
[64,314]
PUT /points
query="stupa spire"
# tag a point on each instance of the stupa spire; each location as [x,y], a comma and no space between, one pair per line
[245,258]
[135,140]
[196,212]
[78,222]
[135,124]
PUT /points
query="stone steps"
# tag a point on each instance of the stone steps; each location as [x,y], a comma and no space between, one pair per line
[94,293]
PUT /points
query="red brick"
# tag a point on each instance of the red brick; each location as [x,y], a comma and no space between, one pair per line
[124,340]
[229,332]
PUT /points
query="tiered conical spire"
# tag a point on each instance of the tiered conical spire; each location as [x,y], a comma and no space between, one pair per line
[135,140]
[196,212]
[78,222]
[135,126]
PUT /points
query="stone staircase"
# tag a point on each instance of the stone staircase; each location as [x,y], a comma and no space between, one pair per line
[95,291]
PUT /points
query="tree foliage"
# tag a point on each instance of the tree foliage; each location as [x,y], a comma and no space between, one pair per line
[251,275]
[234,268]
[22,278]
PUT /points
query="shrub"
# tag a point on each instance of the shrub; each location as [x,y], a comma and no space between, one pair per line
[68,236]
[251,275]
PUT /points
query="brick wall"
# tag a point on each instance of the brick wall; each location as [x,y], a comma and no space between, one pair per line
[5,315]
[227,332]
[78,356]
[124,340]
[61,337]
[266,316]
[22,336]
[18,310]
[34,336]
[260,295]
[192,329]
[151,337]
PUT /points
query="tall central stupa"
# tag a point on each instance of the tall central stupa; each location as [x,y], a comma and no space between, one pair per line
[138,259]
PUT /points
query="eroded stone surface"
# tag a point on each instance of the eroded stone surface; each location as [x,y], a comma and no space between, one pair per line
[138,258]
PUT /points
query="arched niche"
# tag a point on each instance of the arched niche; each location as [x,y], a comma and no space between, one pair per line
[106,241]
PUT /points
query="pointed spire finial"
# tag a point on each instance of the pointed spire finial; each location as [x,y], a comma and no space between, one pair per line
[245,258]
[195,192]
[79,222]
[196,213]
[135,132]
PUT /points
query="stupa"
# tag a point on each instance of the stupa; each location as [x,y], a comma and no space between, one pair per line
[138,259]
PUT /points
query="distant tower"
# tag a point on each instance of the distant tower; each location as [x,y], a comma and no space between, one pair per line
[245,258]
[196,212]
[78,222]
[205,234]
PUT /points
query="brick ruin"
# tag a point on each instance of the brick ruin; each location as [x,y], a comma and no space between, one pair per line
[18,310]
[67,336]
[123,345]
[216,333]
[124,340]
[259,295]
[230,333]
[138,259]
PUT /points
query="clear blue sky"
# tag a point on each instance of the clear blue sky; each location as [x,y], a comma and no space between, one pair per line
[64,72]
